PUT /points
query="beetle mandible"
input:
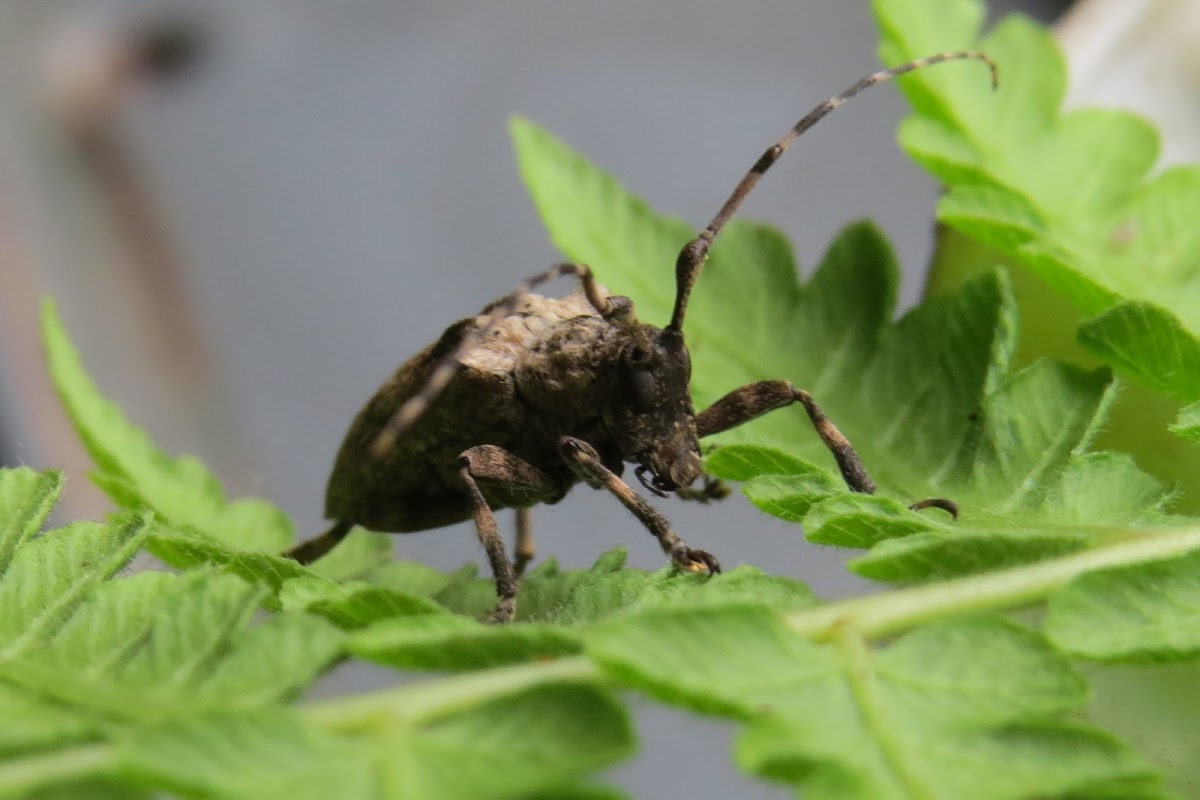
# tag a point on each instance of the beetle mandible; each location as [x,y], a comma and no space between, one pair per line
[513,407]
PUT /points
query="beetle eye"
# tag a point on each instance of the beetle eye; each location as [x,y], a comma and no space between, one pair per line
[645,389]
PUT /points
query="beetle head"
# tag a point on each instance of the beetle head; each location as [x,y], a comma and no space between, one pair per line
[652,420]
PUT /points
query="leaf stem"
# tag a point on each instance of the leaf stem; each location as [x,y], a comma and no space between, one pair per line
[862,676]
[19,777]
[886,614]
[431,700]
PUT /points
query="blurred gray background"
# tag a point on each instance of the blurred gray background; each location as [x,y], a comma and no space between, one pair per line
[250,212]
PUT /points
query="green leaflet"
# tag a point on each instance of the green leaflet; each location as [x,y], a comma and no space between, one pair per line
[110,684]
[354,604]
[85,656]
[964,709]
[452,643]
[553,733]
[151,645]
[1124,614]
[204,525]
[1148,342]
[1187,424]
[446,642]
[1071,198]
[1066,194]
[50,578]
[135,474]
[267,753]
[92,789]
[400,626]
[26,498]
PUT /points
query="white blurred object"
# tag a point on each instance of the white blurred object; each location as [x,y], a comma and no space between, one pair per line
[1143,55]
[84,217]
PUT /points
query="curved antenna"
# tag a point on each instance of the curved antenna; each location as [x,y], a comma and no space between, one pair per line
[693,255]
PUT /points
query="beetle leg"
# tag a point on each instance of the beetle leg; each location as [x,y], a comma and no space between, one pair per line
[495,464]
[525,548]
[585,462]
[755,399]
[710,489]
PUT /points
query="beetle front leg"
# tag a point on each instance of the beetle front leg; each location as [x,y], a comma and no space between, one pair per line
[755,399]
[585,462]
[491,463]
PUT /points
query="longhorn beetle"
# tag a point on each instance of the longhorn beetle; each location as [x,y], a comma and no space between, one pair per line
[513,407]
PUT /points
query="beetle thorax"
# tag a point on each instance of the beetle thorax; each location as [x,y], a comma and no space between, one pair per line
[569,371]
[627,382]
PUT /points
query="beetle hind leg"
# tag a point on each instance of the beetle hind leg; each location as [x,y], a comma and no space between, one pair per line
[585,462]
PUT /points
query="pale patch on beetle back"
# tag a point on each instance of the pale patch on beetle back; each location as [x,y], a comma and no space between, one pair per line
[515,335]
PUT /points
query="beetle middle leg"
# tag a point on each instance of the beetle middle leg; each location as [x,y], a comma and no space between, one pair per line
[755,399]
[585,462]
[489,463]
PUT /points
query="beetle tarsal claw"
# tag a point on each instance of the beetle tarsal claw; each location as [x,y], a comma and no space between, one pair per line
[711,489]
[651,483]
[689,559]
[504,612]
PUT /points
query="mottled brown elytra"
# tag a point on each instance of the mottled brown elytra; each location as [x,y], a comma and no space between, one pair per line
[514,406]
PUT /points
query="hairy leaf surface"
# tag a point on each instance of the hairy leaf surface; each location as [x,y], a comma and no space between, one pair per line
[966,709]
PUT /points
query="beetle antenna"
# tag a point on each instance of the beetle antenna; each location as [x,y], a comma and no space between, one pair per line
[693,255]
